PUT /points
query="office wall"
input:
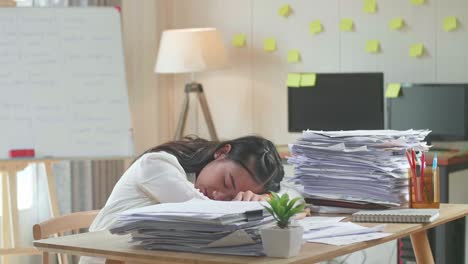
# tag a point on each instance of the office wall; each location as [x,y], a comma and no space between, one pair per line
[251,97]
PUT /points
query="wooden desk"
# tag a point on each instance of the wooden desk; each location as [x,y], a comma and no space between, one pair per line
[116,249]
[453,233]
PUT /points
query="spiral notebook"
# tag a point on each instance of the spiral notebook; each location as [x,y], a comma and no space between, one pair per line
[397,216]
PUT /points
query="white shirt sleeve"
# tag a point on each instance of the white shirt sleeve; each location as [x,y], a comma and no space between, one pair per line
[161,177]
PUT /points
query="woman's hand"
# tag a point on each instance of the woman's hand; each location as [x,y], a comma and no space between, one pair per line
[249,196]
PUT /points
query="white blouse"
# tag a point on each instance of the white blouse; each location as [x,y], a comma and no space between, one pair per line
[154,178]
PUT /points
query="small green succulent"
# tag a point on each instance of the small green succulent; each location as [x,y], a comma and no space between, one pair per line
[282,208]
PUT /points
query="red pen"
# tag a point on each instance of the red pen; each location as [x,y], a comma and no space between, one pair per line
[423,163]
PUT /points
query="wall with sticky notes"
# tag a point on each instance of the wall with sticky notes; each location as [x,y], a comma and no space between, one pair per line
[380,40]
[250,95]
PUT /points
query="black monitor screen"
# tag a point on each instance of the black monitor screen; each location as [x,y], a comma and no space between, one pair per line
[442,108]
[338,101]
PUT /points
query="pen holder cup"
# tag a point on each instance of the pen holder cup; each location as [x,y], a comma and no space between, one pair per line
[424,190]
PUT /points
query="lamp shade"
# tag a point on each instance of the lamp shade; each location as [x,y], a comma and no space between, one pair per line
[190,50]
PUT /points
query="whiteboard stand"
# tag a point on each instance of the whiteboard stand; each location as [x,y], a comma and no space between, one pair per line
[10,223]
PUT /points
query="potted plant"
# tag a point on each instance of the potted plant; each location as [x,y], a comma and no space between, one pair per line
[282,240]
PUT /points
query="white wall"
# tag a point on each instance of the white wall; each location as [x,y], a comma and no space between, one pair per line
[250,96]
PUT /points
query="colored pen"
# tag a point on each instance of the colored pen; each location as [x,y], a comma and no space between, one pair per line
[423,164]
[435,179]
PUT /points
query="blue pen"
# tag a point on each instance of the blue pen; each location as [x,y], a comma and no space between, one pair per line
[435,179]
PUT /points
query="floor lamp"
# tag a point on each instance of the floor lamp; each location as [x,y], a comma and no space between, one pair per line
[189,51]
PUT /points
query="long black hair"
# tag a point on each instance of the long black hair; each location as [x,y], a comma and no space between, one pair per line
[194,153]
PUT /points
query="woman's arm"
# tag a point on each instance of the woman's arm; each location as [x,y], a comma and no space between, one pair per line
[161,178]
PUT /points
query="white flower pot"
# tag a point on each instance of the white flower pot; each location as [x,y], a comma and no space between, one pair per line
[282,242]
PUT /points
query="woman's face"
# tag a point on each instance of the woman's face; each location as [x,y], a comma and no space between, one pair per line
[223,179]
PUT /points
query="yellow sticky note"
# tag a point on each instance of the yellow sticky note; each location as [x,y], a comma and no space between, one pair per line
[315,27]
[393,90]
[308,79]
[397,23]
[285,10]
[370,6]
[372,46]
[238,40]
[416,50]
[346,24]
[269,44]
[418,2]
[294,80]
[450,23]
[294,56]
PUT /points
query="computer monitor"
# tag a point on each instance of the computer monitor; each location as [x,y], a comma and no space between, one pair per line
[338,101]
[442,108]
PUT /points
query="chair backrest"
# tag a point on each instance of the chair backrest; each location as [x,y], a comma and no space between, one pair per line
[59,225]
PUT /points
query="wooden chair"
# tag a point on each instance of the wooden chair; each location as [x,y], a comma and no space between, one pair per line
[59,225]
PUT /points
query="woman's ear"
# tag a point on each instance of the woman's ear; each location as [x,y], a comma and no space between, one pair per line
[221,153]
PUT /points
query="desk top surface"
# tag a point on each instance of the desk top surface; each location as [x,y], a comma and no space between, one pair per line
[116,247]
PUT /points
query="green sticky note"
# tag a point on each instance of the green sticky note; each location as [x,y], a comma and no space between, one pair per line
[285,10]
[294,56]
[346,24]
[418,2]
[450,23]
[397,23]
[416,50]
[308,79]
[372,46]
[294,80]
[269,44]
[238,40]
[370,6]
[393,90]
[315,27]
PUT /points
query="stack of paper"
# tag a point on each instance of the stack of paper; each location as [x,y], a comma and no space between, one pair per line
[329,230]
[204,226]
[355,168]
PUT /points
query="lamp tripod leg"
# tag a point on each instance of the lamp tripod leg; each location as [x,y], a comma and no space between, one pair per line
[182,118]
[207,114]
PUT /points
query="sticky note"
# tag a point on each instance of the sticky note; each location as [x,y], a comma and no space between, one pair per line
[450,23]
[285,10]
[393,90]
[372,46]
[315,27]
[416,50]
[346,24]
[294,56]
[397,23]
[418,2]
[370,6]
[294,80]
[269,44]
[238,40]
[308,79]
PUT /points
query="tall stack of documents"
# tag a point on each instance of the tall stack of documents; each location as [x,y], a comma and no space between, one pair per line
[203,226]
[359,168]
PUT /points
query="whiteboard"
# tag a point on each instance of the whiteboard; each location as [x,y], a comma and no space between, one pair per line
[62,83]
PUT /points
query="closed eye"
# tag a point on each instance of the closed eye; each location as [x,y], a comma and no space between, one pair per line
[232,181]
